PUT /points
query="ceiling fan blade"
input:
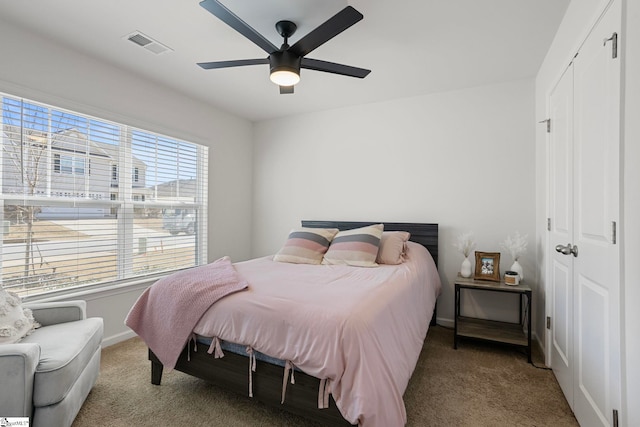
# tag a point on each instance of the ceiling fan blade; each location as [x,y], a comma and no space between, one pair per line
[228,64]
[286,89]
[326,31]
[332,67]
[229,18]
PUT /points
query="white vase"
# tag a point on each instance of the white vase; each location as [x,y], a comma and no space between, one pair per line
[465,269]
[518,269]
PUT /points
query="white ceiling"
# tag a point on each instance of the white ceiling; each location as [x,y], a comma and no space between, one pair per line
[413,47]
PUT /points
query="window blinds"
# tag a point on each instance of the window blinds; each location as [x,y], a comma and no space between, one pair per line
[87,201]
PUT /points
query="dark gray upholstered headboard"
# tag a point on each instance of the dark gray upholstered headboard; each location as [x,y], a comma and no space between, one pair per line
[424,234]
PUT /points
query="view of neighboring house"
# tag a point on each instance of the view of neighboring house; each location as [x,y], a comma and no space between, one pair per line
[67,164]
[179,189]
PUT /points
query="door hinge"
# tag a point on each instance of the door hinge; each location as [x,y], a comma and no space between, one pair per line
[548,224]
[615,418]
[548,322]
[614,44]
[614,232]
[548,122]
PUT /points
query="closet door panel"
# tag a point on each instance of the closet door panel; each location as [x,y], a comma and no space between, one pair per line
[561,233]
[592,331]
[562,330]
[596,200]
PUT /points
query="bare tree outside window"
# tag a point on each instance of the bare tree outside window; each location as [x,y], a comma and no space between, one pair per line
[27,151]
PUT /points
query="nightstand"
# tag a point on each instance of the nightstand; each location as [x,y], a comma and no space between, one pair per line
[491,330]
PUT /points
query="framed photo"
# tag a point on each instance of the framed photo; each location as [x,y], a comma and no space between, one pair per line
[487,266]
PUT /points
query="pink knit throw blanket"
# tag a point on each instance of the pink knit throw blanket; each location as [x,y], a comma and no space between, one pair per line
[165,313]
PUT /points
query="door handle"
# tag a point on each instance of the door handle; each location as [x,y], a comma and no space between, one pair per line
[567,250]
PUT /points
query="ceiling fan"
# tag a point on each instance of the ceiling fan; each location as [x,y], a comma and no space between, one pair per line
[285,62]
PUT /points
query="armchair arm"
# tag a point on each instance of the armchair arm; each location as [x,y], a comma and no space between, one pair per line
[18,364]
[51,313]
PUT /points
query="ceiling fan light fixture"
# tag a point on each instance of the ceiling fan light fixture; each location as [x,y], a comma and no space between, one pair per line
[285,68]
[284,77]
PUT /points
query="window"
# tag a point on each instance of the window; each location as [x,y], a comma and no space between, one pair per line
[78,166]
[73,217]
[68,164]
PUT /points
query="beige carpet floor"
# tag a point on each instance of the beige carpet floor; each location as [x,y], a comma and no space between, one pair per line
[477,385]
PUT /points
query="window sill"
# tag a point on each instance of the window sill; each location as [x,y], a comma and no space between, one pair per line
[96,291]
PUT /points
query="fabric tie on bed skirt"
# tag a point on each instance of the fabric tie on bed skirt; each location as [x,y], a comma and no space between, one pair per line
[288,367]
[252,368]
[215,348]
[195,346]
[323,393]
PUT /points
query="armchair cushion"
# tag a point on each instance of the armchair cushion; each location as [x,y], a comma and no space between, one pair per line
[65,350]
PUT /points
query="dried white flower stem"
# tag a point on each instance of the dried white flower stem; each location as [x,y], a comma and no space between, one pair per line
[465,244]
[516,245]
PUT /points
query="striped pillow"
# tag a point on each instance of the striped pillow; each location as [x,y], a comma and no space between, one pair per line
[358,247]
[306,245]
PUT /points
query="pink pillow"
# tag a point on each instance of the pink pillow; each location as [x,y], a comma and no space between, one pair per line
[393,246]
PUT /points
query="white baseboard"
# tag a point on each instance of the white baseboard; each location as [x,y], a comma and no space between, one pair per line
[447,323]
[115,339]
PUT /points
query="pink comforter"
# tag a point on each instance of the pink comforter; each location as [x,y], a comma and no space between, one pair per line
[360,328]
[165,314]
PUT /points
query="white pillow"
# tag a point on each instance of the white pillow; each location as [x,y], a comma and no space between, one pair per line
[16,322]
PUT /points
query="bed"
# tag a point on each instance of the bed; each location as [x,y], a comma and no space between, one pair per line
[332,380]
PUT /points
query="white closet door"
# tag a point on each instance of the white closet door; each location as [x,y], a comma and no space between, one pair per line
[596,277]
[561,214]
[584,178]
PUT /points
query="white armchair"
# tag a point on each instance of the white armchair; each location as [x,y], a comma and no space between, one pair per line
[48,374]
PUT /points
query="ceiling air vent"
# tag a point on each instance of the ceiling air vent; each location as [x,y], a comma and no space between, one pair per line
[148,43]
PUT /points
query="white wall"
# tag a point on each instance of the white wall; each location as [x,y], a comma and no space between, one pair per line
[579,19]
[462,159]
[38,69]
